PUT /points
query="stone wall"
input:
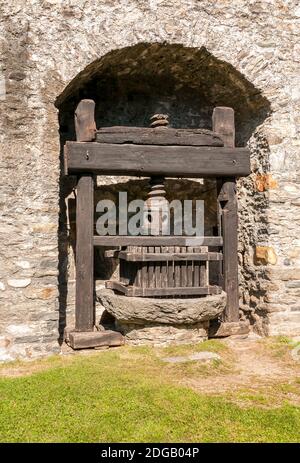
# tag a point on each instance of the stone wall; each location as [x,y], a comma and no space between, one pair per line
[253,49]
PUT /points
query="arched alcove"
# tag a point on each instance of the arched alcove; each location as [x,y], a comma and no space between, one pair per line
[128,86]
[132,83]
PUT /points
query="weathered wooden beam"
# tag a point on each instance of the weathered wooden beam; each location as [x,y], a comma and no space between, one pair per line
[158,136]
[85,126]
[133,291]
[90,339]
[147,160]
[230,250]
[160,240]
[84,309]
[164,257]
[223,124]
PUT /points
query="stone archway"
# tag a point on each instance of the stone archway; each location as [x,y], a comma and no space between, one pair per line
[128,86]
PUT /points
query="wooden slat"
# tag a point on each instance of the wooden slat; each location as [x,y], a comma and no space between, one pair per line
[170,269]
[140,240]
[203,269]
[158,136]
[157,269]
[151,292]
[147,160]
[84,309]
[144,269]
[164,257]
[137,267]
[151,276]
[164,270]
[190,269]
[196,273]
[177,270]
[183,270]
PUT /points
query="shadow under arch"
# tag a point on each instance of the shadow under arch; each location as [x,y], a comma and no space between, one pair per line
[132,83]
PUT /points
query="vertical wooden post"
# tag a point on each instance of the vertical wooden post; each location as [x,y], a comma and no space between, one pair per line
[223,124]
[84,312]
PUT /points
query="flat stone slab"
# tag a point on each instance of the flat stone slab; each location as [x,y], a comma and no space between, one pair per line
[145,310]
[225,329]
[198,356]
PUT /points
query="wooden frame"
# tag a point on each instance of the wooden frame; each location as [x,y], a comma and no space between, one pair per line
[147,160]
[86,158]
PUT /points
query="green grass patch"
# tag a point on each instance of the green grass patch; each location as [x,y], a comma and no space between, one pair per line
[127,395]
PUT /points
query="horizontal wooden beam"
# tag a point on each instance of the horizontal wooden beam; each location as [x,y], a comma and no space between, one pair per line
[147,160]
[164,257]
[158,240]
[158,136]
[133,291]
[90,339]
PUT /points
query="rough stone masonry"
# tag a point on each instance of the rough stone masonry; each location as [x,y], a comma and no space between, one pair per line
[251,48]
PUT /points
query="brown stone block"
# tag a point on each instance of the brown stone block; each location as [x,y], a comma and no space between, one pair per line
[283,274]
[37,292]
[265,182]
[224,329]
[265,255]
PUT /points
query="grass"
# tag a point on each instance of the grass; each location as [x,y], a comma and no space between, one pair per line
[130,395]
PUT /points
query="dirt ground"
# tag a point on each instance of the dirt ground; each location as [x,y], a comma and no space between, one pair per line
[259,366]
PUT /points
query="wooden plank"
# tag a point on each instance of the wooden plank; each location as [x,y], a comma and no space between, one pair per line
[223,123]
[190,268]
[147,160]
[144,271]
[140,240]
[164,257]
[177,269]
[196,274]
[157,269]
[85,126]
[183,270]
[164,269]
[151,276]
[92,339]
[170,269]
[158,136]
[137,267]
[174,291]
[84,309]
